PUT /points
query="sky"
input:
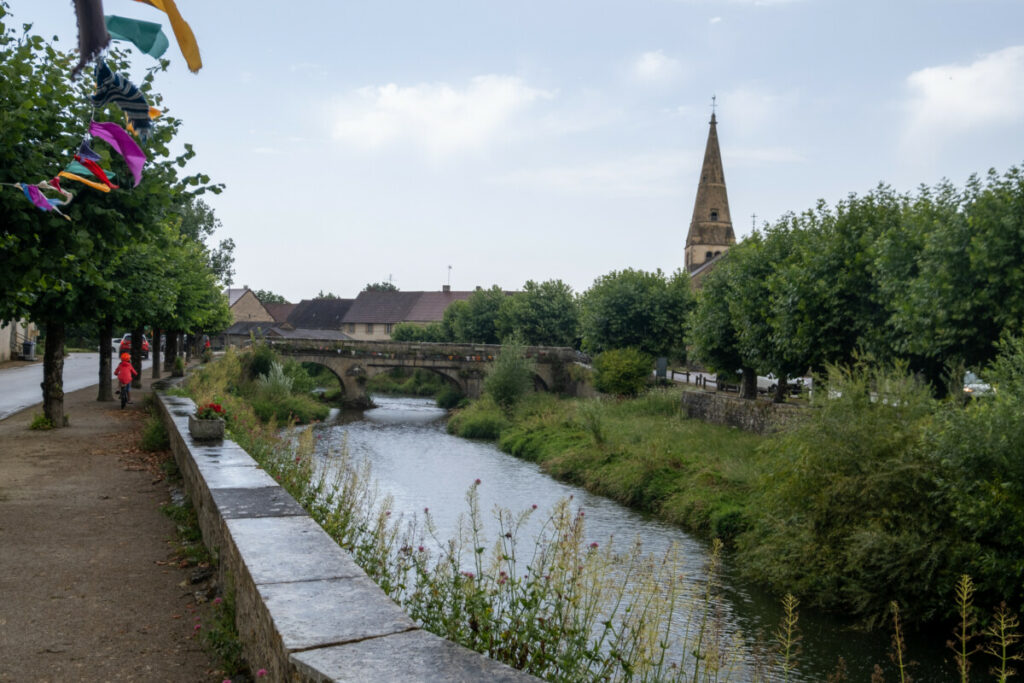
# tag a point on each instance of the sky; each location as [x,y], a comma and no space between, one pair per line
[486,142]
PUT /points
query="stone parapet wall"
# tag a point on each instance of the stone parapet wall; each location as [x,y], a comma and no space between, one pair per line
[304,610]
[760,417]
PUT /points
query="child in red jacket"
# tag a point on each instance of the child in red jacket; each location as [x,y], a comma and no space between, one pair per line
[124,374]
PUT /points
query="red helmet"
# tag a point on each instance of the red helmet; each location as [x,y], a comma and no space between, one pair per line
[126,356]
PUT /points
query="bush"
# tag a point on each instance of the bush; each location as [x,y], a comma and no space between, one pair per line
[41,422]
[283,409]
[480,420]
[623,372]
[847,517]
[449,397]
[260,360]
[512,375]
[154,436]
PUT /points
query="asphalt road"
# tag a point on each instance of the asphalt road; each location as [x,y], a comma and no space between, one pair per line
[20,387]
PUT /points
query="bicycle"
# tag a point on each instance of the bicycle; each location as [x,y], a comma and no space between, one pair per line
[125,392]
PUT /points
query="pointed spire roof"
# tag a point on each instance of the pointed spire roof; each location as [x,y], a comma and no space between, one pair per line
[711,225]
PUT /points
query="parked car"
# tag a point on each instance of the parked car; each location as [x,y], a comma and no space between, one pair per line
[974,386]
[126,345]
[768,383]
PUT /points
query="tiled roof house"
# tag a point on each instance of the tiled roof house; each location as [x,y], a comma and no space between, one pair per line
[373,315]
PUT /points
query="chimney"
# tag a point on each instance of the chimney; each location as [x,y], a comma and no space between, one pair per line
[446,288]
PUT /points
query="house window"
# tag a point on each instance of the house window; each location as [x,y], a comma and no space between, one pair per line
[351,327]
[708,256]
[714,214]
[387,328]
[369,328]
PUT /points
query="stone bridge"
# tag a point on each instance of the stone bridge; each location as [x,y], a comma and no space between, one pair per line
[464,366]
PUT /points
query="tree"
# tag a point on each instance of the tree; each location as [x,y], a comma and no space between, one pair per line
[411,332]
[634,308]
[710,330]
[267,297]
[380,287]
[327,295]
[623,372]
[476,320]
[545,314]
[511,377]
[55,272]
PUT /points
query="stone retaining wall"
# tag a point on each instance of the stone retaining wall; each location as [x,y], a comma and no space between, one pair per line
[760,417]
[304,610]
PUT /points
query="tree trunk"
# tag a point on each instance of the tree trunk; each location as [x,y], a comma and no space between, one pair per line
[748,387]
[137,356]
[171,352]
[188,347]
[781,389]
[53,374]
[106,393]
[154,349]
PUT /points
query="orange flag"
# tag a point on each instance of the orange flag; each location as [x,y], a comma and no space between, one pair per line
[182,32]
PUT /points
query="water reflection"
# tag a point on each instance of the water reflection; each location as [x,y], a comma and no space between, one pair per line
[421,466]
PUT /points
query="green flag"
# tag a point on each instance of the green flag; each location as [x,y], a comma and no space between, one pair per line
[145,35]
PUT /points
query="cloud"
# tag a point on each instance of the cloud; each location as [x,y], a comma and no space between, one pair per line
[715,20]
[655,67]
[437,117]
[950,99]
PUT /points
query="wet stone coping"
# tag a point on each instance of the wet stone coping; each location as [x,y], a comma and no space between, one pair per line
[303,608]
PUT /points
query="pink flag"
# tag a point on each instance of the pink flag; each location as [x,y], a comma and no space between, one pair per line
[119,139]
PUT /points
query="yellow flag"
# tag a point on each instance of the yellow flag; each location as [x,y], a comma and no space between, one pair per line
[182,32]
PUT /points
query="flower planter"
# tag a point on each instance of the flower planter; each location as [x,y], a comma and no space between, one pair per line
[204,430]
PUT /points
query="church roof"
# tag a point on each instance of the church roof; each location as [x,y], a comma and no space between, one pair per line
[711,223]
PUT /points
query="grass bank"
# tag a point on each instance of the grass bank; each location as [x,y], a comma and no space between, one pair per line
[641,452]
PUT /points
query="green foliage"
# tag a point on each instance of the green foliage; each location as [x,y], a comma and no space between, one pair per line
[482,419]
[404,382]
[448,397]
[275,384]
[261,360]
[475,319]
[622,372]
[154,435]
[268,297]
[220,635]
[41,423]
[847,517]
[380,287]
[412,332]
[284,409]
[545,314]
[980,478]
[634,308]
[511,377]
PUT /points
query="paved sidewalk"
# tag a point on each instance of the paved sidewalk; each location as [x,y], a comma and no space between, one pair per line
[90,591]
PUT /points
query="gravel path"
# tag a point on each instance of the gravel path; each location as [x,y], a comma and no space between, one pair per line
[90,587]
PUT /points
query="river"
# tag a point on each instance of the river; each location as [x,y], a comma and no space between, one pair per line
[422,466]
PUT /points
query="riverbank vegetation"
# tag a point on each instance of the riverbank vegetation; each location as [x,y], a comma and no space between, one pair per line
[569,617]
[880,493]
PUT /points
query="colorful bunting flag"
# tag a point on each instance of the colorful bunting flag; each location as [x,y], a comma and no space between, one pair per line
[121,141]
[145,35]
[182,32]
[111,87]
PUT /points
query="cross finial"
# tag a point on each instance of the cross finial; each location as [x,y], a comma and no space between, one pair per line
[713,104]
[753,220]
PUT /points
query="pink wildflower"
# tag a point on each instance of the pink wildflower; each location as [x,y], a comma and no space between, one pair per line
[217,601]
[261,673]
[477,482]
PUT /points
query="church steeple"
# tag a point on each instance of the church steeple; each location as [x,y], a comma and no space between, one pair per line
[711,231]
